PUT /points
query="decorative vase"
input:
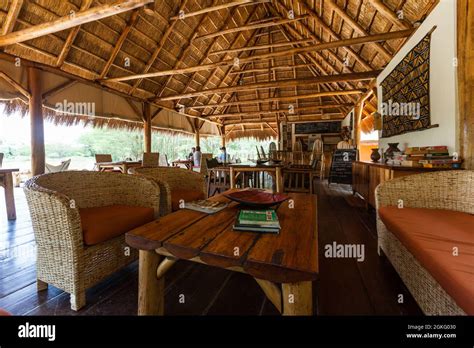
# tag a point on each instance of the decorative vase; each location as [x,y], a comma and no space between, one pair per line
[392,147]
[375,155]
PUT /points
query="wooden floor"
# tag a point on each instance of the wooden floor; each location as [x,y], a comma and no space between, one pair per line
[345,287]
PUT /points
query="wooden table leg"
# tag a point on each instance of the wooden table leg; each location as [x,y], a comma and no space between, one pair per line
[9,197]
[297,298]
[151,295]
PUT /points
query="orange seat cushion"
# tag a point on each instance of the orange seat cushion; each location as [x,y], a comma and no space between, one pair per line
[186,195]
[431,236]
[4,313]
[104,223]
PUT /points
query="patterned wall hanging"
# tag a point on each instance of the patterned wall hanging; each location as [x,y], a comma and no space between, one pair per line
[406,93]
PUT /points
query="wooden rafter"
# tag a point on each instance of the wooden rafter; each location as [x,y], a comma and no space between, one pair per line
[219,7]
[274,99]
[358,28]
[389,14]
[118,45]
[72,36]
[313,48]
[161,44]
[279,84]
[15,84]
[271,112]
[262,47]
[68,22]
[12,15]
[267,24]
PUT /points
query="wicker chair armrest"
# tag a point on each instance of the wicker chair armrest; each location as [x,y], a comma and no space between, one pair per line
[55,218]
[450,190]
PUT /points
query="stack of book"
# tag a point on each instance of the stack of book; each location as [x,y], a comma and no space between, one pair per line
[429,157]
[257,221]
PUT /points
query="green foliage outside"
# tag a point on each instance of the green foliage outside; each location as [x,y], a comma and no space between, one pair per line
[122,144]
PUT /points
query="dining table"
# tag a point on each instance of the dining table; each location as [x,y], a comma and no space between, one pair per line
[6,181]
[123,166]
[187,163]
[284,265]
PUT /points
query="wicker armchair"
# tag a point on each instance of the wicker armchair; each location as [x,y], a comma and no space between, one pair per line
[172,178]
[448,190]
[63,259]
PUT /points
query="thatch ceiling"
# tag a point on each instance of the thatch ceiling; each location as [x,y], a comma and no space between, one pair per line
[200,56]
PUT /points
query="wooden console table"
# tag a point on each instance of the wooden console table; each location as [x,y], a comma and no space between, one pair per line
[6,181]
[366,176]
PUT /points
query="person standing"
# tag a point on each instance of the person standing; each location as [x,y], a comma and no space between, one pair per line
[197,157]
[191,154]
[223,156]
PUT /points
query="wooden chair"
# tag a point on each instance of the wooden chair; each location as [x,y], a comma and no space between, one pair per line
[105,158]
[203,168]
[218,180]
[164,161]
[272,149]
[60,204]
[298,178]
[48,168]
[151,159]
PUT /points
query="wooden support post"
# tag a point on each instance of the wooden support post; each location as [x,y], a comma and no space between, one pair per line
[465,38]
[222,130]
[147,126]
[297,298]
[357,118]
[37,123]
[151,293]
[197,127]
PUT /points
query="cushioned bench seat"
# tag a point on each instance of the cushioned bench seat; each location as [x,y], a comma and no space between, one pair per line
[104,223]
[433,236]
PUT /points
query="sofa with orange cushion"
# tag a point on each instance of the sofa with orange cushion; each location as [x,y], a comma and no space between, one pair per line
[177,185]
[425,226]
[80,219]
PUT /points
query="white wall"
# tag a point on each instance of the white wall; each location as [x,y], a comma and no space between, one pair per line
[443,86]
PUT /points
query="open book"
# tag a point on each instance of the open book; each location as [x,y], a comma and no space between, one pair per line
[205,206]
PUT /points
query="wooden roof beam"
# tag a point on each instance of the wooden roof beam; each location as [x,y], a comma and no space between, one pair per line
[219,7]
[357,27]
[271,112]
[72,36]
[273,99]
[251,27]
[67,22]
[320,47]
[263,47]
[118,45]
[380,6]
[12,15]
[161,43]
[332,33]
[368,75]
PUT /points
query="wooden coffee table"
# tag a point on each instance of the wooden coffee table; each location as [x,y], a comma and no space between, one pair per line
[284,265]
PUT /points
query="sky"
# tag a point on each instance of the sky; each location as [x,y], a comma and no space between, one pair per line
[16,129]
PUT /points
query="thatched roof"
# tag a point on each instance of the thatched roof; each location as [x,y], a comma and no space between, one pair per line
[201,57]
